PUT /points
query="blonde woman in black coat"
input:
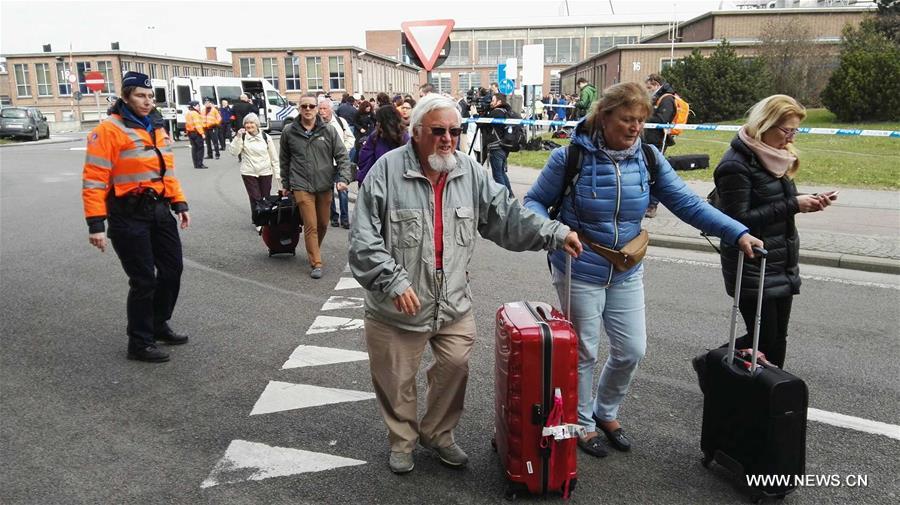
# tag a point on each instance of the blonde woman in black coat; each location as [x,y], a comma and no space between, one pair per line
[754,182]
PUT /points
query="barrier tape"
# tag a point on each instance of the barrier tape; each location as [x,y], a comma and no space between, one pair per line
[699,127]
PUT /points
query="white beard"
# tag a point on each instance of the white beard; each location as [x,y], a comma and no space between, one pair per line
[442,162]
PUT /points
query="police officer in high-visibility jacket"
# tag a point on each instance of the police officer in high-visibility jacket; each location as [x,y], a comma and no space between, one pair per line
[211,121]
[193,124]
[129,181]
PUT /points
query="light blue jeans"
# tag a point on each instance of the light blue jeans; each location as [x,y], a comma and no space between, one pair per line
[619,309]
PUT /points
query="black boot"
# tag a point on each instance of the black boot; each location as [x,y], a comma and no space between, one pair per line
[150,354]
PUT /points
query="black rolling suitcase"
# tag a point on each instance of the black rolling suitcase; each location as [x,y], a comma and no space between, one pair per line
[689,161]
[279,218]
[754,414]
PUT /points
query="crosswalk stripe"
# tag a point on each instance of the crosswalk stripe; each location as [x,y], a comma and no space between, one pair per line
[343,302]
[310,355]
[347,283]
[280,396]
[328,324]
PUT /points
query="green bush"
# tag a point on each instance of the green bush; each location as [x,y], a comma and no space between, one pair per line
[719,87]
[866,84]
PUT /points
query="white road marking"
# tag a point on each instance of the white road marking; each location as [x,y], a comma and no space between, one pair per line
[854,423]
[78,148]
[343,302]
[245,460]
[280,396]
[347,269]
[327,324]
[200,266]
[51,179]
[310,355]
[347,283]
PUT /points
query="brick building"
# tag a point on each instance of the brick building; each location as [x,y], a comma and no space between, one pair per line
[475,52]
[742,29]
[332,70]
[39,79]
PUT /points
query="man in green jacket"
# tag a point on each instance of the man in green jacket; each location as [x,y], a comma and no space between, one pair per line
[312,157]
[586,99]
[417,287]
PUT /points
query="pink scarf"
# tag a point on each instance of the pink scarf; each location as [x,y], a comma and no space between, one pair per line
[776,161]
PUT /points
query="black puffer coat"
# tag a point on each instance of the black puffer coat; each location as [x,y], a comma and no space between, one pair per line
[766,205]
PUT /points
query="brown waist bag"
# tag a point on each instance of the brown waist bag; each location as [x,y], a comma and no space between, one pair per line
[625,258]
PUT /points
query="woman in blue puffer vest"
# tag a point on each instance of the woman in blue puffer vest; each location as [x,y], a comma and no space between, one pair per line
[606,204]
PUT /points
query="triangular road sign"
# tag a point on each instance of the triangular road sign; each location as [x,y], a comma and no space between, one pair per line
[245,460]
[280,396]
[427,38]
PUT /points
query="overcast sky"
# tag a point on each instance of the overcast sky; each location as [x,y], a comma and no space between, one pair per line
[184,28]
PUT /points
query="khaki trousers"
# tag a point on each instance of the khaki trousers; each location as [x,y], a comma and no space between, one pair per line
[394,358]
[315,209]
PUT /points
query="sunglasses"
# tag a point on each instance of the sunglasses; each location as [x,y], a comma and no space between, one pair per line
[440,131]
[788,132]
[307,106]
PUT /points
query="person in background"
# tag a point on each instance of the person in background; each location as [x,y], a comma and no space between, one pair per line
[492,135]
[211,121]
[383,99]
[193,125]
[364,122]
[312,153]
[389,134]
[129,181]
[755,185]
[347,111]
[241,109]
[586,99]
[225,129]
[605,207]
[425,89]
[258,158]
[662,95]
[412,239]
[404,108]
[341,218]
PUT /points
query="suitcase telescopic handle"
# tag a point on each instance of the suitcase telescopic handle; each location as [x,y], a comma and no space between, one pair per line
[568,309]
[735,308]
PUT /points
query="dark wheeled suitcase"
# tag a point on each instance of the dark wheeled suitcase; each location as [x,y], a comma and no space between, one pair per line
[689,161]
[754,413]
[281,225]
[536,398]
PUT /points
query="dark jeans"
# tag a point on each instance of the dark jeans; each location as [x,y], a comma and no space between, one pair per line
[224,133]
[343,200]
[257,187]
[196,148]
[776,313]
[212,141]
[498,167]
[149,248]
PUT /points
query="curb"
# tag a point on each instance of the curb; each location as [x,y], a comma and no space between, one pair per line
[820,258]
[43,142]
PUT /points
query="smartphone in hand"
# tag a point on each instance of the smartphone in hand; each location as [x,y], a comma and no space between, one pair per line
[833,195]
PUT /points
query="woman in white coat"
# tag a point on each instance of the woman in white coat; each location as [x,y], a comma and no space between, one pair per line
[258,157]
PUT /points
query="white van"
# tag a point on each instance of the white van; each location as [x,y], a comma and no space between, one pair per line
[274,110]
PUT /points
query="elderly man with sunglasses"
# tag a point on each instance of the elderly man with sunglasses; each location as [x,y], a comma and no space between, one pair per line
[411,240]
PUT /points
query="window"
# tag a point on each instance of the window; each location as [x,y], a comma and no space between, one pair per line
[275,99]
[62,79]
[205,71]
[22,86]
[49,116]
[665,63]
[270,70]
[492,77]
[208,93]
[336,72]
[248,67]
[313,72]
[42,74]
[67,115]
[554,83]
[187,70]
[82,67]
[459,53]
[154,70]
[174,70]
[165,71]
[126,66]
[492,52]
[292,73]
[441,82]
[183,95]
[561,50]
[469,80]
[5,100]
[140,67]
[105,67]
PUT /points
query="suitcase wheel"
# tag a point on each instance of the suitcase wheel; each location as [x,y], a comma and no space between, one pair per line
[514,489]
[271,253]
[494,444]
[707,459]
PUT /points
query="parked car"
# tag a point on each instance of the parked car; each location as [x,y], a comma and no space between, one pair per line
[23,122]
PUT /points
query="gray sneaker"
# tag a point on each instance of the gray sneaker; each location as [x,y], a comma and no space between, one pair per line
[451,455]
[316,273]
[401,462]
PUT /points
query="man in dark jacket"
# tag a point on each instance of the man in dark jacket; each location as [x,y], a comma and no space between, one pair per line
[312,157]
[663,97]
[241,109]
[347,111]
[491,137]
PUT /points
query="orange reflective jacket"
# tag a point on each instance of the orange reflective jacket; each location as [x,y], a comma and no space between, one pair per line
[124,159]
[211,118]
[193,122]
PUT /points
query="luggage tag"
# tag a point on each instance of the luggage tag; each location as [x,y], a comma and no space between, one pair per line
[563,431]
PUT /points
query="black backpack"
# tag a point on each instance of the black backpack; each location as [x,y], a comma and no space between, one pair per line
[513,137]
[573,167]
[244,138]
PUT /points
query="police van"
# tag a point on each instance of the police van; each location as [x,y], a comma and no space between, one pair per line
[274,110]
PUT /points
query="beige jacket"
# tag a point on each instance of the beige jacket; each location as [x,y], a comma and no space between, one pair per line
[257,154]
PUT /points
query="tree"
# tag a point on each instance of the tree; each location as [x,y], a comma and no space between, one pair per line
[866,84]
[720,87]
[798,65]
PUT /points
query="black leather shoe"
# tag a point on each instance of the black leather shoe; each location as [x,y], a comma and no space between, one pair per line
[335,224]
[345,226]
[171,338]
[204,166]
[593,447]
[617,438]
[150,354]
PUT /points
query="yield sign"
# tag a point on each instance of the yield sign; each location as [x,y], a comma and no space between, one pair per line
[427,38]
[94,81]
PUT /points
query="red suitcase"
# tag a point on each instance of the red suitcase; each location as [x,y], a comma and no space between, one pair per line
[536,398]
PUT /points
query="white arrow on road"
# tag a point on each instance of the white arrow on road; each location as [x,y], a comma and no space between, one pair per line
[327,324]
[245,460]
[310,355]
[347,283]
[280,396]
[343,302]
